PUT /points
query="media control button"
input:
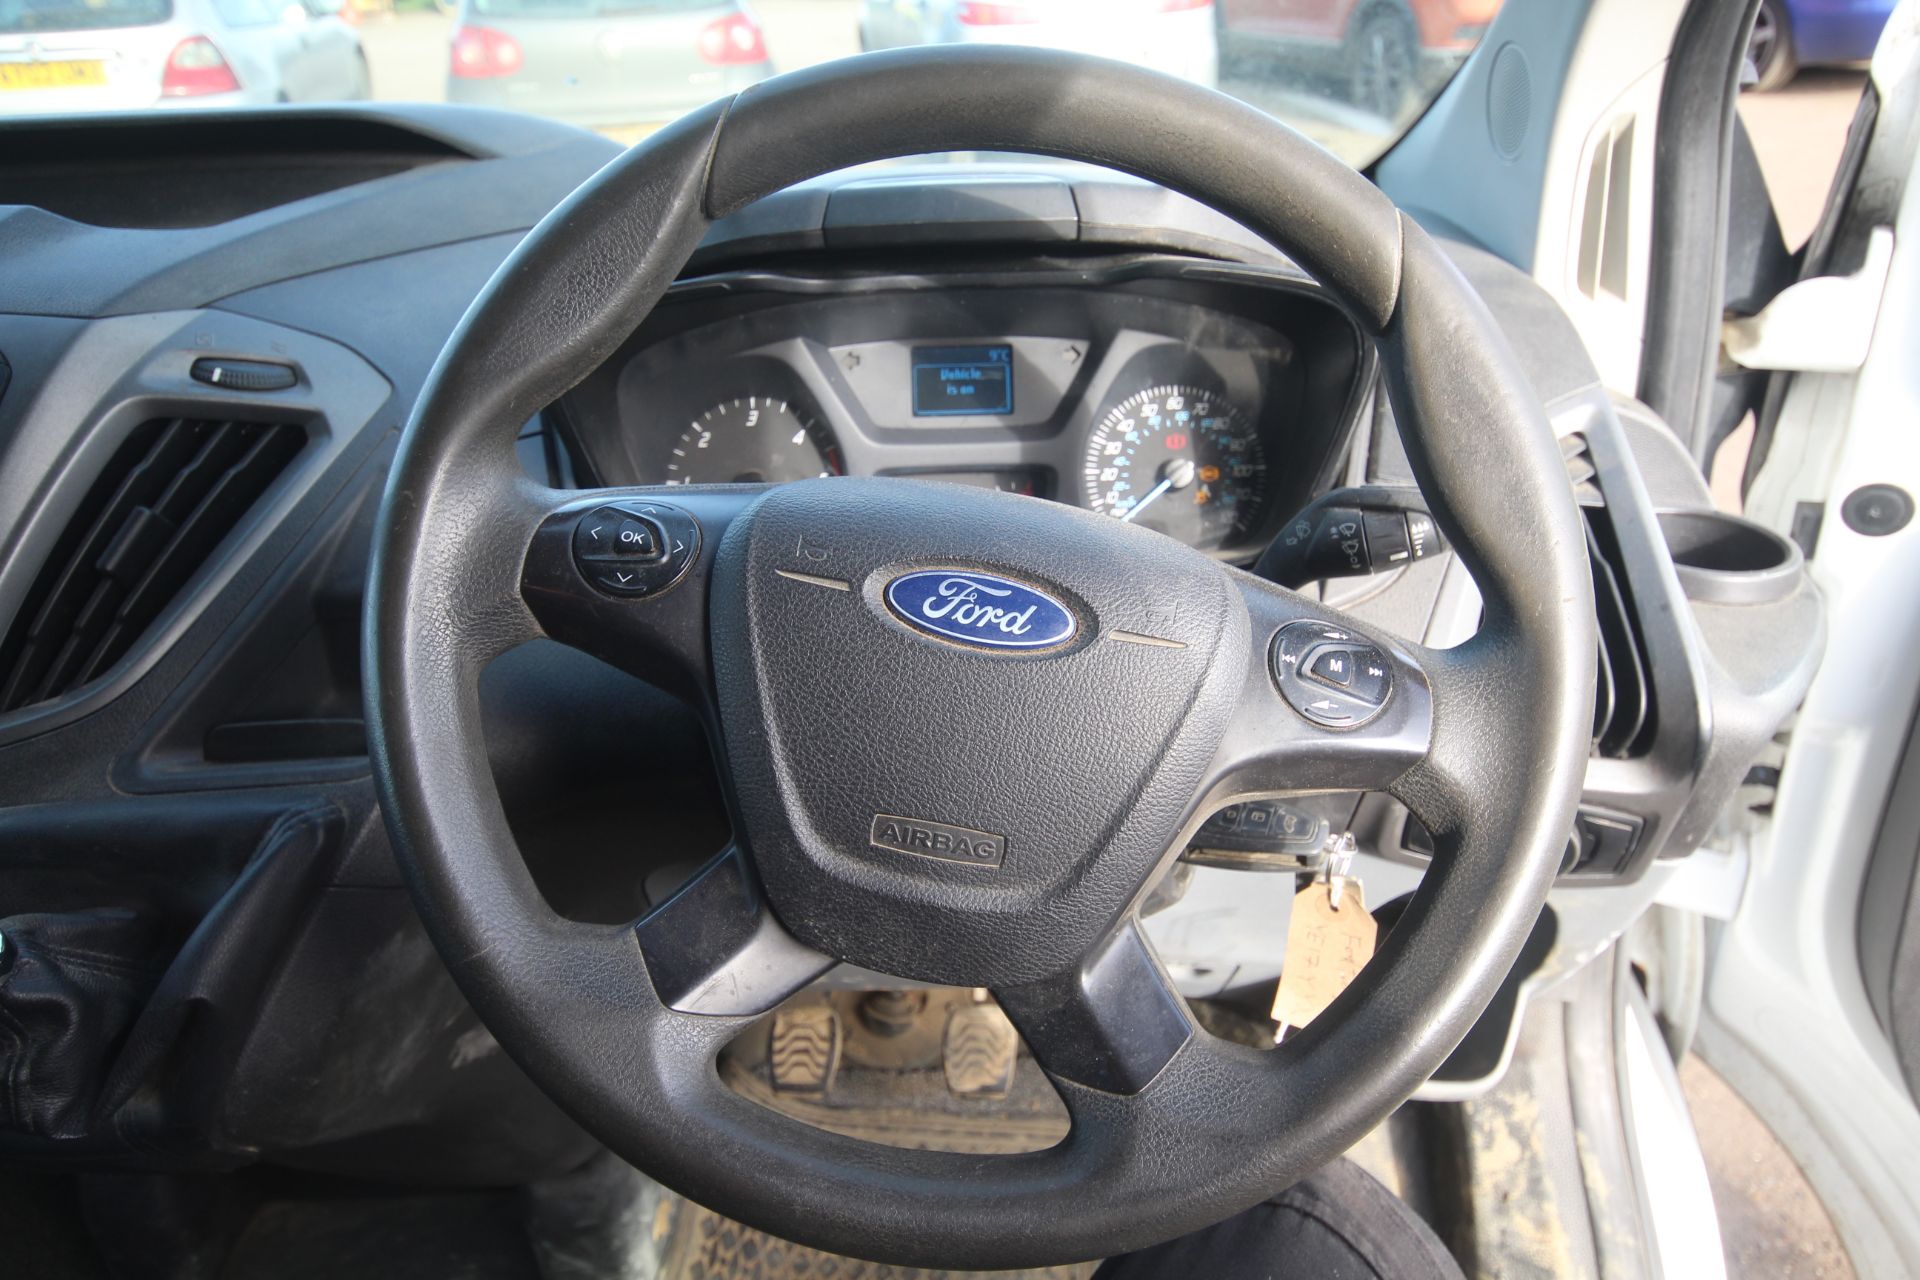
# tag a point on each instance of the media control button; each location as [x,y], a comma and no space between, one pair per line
[635,549]
[1330,675]
[1334,667]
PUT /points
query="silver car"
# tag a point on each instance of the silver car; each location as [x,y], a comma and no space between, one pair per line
[604,63]
[112,55]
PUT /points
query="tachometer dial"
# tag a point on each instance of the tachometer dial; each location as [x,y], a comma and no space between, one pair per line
[752,440]
[1179,460]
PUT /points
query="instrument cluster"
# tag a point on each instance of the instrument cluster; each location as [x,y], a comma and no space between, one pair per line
[1206,409]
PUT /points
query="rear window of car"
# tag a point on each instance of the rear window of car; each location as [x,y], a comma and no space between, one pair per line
[19,17]
[249,13]
[586,8]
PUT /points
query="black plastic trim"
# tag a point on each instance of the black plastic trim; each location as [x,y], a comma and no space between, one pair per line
[124,372]
[515,168]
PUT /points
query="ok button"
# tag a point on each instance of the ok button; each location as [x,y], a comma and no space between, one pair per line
[639,538]
[611,534]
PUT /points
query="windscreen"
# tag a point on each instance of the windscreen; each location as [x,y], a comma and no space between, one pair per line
[565,10]
[1352,76]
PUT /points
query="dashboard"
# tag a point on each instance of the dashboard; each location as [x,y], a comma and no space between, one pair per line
[1054,330]
[1206,403]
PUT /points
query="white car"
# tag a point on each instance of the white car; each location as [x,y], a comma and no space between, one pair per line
[61,56]
[1174,36]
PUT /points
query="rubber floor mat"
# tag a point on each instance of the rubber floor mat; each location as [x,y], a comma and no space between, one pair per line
[702,1245]
[446,1237]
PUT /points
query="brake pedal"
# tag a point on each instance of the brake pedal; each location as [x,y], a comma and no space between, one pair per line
[804,1050]
[979,1051]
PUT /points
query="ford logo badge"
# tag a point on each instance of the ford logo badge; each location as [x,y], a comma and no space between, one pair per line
[980,609]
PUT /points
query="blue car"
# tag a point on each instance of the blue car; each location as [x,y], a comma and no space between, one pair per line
[1791,34]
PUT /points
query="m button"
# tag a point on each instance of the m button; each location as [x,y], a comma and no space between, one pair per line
[1332,666]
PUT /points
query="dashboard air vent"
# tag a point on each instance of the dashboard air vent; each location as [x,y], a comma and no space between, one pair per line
[1623,690]
[1580,471]
[1623,693]
[159,508]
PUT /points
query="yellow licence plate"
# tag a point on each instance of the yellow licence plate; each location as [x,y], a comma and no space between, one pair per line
[52,75]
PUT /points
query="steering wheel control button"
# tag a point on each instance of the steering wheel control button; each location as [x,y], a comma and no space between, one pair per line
[593,538]
[637,550]
[1259,835]
[613,534]
[638,538]
[1372,676]
[1329,675]
[1334,667]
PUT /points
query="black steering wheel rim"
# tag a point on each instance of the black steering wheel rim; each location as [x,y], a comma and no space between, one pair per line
[1205,1128]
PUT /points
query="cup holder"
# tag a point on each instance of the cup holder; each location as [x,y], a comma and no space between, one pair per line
[1723,559]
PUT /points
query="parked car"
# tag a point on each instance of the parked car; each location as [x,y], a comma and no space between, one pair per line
[604,63]
[1388,53]
[1791,34]
[111,55]
[1174,36]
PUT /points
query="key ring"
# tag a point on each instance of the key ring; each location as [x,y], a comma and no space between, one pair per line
[1340,852]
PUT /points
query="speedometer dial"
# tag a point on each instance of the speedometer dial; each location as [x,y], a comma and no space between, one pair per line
[756,439]
[1179,460]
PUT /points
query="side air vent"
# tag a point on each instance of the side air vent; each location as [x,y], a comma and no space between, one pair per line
[163,503]
[1623,719]
[1581,473]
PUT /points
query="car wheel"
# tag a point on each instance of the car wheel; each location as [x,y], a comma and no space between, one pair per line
[1770,47]
[1382,62]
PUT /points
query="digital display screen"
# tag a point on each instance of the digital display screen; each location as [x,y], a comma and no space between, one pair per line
[949,381]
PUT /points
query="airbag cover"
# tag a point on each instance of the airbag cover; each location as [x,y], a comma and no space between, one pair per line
[934,797]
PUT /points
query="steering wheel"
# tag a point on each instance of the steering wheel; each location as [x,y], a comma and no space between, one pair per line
[962,730]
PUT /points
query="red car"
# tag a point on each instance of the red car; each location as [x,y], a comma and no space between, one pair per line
[1384,50]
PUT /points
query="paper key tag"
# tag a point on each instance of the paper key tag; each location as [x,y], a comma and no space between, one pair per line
[1326,946]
